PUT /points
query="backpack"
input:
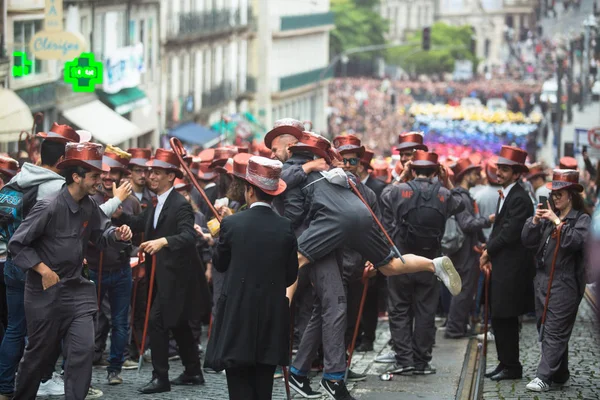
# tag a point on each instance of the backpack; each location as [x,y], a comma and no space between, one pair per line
[15,204]
[423,223]
[454,237]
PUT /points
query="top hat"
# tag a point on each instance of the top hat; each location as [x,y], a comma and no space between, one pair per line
[463,166]
[381,170]
[285,126]
[227,168]
[206,155]
[240,164]
[313,143]
[513,157]
[86,155]
[205,172]
[425,159]
[166,159]
[139,157]
[60,133]
[9,166]
[181,185]
[411,141]
[84,136]
[567,163]
[348,144]
[565,179]
[116,158]
[265,174]
[536,170]
[366,158]
[491,170]
[221,155]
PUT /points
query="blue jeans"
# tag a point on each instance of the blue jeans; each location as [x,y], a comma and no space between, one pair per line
[118,284]
[13,343]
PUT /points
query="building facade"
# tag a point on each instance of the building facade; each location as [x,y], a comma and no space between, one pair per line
[406,16]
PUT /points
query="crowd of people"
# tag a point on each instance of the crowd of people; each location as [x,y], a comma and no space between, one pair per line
[148,247]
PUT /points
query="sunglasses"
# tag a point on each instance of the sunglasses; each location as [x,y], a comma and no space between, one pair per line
[557,195]
[352,161]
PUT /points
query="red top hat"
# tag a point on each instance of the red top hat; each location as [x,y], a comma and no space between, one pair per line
[227,168]
[9,166]
[60,133]
[313,143]
[462,166]
[181,185]
[139,157]
[348,144]
[87,155]
[116,158]
[568,163]
[513,157]
[265,174]
[366,159]
[166,159]
[285,126]
[221,155]
[205,171]
[536,170]
[565,179]
[206,155]
[425,159]
[411,141]
[381,171]
[240,164]
[491,170]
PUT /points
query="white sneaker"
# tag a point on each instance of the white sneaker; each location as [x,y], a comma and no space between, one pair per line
[537,385]
[387,358]
[52,387]
[444,269]
[490,337]
[94,394]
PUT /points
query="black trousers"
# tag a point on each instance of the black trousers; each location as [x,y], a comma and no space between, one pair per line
[506,332]
[159,344]
[250,383]
[353,296]
[377,290]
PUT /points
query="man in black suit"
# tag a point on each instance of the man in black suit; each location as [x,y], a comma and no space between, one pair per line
[258,248]
[181,292]
[511,284]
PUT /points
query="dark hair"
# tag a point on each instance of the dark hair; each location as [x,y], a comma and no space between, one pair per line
[235,191]
[260,195]
[577,201]
[224,183]
[427,171]
[51,152]
[69,171]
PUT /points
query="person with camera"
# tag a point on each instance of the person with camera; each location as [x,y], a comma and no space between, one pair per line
[558,232]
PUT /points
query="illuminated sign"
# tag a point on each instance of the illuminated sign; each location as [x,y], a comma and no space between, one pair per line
[21,65]
[84,73]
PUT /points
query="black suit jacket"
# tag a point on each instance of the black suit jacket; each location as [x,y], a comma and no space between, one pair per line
[512,263]
[375,185]
[258,249]
[180,284]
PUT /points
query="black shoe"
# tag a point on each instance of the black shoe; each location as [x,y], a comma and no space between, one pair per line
[301,384]
[507,374]
[364,346]
[355,377]
[336,390]
[156,386]
[399,369]
[188,380]
[496,371]
[425,370]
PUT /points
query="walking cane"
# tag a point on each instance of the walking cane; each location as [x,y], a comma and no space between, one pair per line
[136,281]
[148,304]
[365,281]
[100,261]
[394,248]
[286,376]
[486,309]
[547,301]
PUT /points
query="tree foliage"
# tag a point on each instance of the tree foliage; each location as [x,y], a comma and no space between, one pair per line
[448,44]
[357,24]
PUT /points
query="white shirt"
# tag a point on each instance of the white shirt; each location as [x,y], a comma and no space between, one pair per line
[364,181]
[506,191]
[209,185]
[159,205]
[139,195]
[260,204]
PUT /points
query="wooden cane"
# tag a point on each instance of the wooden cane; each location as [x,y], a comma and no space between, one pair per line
[180,153]
[552,269]
[100,261]
[486,308]
[134,296]
[147,317]
[365,281]
[286,380]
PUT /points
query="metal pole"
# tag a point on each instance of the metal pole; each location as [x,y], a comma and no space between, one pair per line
[585,64]
[570,84]
[559,113]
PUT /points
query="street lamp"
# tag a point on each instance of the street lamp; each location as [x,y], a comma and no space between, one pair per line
[561,55]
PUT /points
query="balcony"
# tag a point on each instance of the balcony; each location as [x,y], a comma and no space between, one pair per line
[194,25]
[25,5]
[218,95]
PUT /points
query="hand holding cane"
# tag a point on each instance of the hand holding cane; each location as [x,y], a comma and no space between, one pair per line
[550,280]
[365,282]
[148,304]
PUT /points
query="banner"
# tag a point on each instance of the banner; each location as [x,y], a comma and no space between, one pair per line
[123,68]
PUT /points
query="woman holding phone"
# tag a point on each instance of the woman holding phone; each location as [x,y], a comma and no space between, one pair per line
[558,232]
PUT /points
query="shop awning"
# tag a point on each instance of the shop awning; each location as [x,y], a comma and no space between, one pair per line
[193,133]
[106,126]
[125,100]
[15,116]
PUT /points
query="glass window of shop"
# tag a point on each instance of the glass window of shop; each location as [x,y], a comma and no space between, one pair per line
[23,32]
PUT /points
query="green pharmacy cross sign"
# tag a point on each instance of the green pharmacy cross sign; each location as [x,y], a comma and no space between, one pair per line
[84,73]
[21,65]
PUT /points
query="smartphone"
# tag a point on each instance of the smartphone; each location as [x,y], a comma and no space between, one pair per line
[544,202]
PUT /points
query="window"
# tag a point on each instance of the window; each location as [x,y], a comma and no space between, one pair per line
[23,32]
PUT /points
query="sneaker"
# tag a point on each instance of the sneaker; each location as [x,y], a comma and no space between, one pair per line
[387,358]
[174,357]
[364,347]
[301,384]
[490,337]
[129,364]
[209,370]
[114,378]
[399,369]
[444,269]
[355,376]
[52,387]
[537,385]
[101,363]
[94,394]
[148,356]
[427,370]
[278,373]
[336,390]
